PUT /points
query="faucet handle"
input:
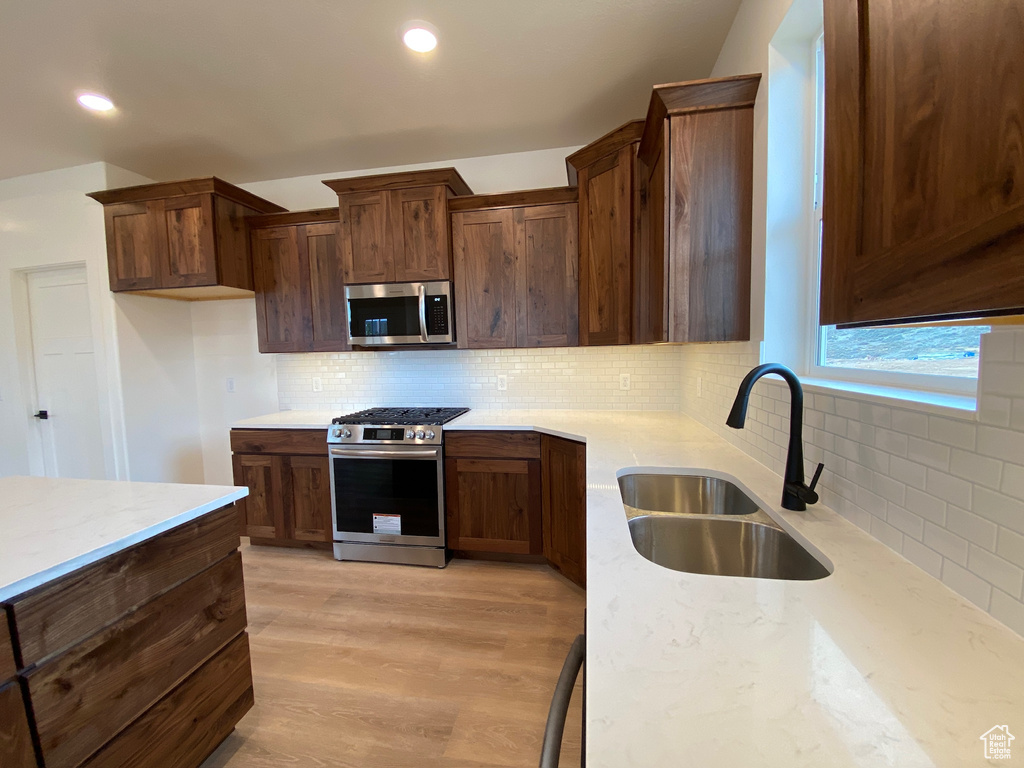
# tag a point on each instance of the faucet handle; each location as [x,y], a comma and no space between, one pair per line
[817,474]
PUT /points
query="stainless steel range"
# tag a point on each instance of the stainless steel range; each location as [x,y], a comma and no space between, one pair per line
[387,485]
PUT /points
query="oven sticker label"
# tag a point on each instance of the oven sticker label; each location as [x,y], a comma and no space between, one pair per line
[387,524]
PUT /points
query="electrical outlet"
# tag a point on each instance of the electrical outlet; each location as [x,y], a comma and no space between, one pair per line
[624,383]
[231,385]
[700,386]
[502,382]
[318,384]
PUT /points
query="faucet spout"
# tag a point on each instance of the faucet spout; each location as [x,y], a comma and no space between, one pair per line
[796,494]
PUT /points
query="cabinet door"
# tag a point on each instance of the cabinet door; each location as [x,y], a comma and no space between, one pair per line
[419,233]
[546,276]
[365,247]
[650,265]
[309,482]
[189,251]
[494,505]
[133,245]
[565,506]
[484,254]
[606,244]
[319,243]
[262,511]
[282,291]
[924,174]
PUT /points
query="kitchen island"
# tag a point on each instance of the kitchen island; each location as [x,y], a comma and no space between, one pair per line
[877,664]
[124,637]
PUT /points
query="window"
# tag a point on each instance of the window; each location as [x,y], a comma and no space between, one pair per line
[943,358]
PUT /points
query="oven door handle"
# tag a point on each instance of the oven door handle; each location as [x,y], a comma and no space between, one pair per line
[423,311]
[373,454]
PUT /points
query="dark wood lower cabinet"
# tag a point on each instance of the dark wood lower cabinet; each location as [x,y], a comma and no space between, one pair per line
[288,476]
[140,659]
[518,493]
[565,506]
[493,505]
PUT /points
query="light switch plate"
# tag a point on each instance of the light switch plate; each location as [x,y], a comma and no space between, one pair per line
[318,384]
[502,382]
[230,385]
[624,382]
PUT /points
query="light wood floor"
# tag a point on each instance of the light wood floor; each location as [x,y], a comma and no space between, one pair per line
[359,664]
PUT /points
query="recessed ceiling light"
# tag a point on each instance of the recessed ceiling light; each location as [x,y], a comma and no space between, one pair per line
[95,102]
[420,36]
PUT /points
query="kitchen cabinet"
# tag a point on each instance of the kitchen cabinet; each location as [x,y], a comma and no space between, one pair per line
[395,227]
[605,172]
[564,503]
[515,266]
[180,240]
[493,492]
[111,655]
[692,277]
[924,178]
[288,476]
[300,290]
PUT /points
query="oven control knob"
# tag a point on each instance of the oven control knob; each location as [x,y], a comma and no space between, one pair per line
[410,435]
[419,434]
[336,432]
[347,433]
[430,434]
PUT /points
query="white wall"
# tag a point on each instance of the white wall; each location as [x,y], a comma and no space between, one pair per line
[46,220]
[944,488]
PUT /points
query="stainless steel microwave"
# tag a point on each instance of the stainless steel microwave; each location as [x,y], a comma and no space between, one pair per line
[391,314]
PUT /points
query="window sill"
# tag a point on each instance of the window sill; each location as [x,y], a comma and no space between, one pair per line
[939,403]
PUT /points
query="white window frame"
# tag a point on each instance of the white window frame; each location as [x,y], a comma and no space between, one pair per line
[926,383]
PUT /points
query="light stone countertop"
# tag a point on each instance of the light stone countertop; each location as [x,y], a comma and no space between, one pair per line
[879,664]
[52,527]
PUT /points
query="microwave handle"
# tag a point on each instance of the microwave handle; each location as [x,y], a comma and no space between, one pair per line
[423,312]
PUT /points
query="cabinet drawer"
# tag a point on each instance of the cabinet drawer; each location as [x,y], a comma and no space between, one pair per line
[492,445]
[66,611]
[8,669]
[15,739]
[301,441]
[185,726]
[83,697]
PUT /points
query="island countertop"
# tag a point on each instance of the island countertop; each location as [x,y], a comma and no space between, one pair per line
[51,527]
[878,664]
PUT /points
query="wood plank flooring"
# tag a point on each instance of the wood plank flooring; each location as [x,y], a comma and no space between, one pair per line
[365,665]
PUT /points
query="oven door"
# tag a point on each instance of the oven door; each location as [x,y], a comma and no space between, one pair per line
[388,494]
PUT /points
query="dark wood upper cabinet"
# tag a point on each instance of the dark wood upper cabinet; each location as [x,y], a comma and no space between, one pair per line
[605,172]
[300,291]
[394,227]
[515,266]
[180,240]
[692,275]
[924,171]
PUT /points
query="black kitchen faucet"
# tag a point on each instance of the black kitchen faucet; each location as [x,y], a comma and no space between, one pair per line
[796,494]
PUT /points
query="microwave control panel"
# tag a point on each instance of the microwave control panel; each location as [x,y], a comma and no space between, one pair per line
[437,316]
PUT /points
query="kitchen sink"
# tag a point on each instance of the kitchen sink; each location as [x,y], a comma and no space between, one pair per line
[685,494]
[708,525]
[721,547]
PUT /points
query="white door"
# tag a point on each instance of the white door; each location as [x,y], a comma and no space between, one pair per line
[65,373]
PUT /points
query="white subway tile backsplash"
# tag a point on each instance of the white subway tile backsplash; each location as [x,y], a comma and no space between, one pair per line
[949,545]
[910,422]
[886,534]
[1002,444]
[926,559]
[932,454]
[1008,610]
[907,472]
[908,522]
[1013,481]
[1010,546]
[996,571]
[1000,509]
[975,468]
[975,589]
[952,489]
[928,507]
[954,432]
[971,527]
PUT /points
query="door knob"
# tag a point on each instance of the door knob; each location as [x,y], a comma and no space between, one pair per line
[42,415]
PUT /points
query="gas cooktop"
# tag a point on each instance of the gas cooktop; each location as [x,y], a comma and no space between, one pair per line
[402,416]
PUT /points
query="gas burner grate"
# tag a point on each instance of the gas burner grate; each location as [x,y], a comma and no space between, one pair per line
[402,416]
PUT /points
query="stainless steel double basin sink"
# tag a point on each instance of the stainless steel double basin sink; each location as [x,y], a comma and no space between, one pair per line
[701,524]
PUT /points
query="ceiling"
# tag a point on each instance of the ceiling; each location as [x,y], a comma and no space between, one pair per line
[275,88]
